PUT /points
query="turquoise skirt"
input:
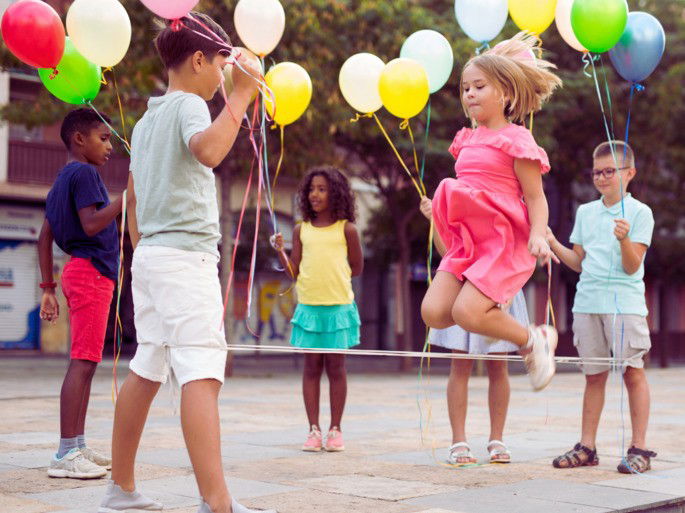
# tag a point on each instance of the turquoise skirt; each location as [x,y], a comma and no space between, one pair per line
[325,327]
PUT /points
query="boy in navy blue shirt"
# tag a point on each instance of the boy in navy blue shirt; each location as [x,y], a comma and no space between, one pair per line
[81,220]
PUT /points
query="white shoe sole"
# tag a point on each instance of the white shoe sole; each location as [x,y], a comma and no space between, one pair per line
[552,347]
[57,472]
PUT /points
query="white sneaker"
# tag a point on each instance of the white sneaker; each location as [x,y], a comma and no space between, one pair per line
[75,465]
[540,360]
[116,499]
[236,507]
[96,457]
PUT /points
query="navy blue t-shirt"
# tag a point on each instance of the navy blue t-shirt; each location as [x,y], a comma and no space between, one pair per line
[77,186]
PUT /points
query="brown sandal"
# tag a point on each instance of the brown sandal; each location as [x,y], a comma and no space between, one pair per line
[574,458]
[636,461]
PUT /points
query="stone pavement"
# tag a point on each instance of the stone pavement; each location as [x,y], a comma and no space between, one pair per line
[386,468]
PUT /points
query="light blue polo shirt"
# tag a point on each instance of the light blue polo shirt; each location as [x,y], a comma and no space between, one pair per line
[603,282]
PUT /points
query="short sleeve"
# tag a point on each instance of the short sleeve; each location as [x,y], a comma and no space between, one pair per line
[193,114]
[519,143]
[577,233]
[459,140]
[643,226]
[86,188]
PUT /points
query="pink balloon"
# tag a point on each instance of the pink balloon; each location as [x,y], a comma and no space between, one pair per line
[170,9]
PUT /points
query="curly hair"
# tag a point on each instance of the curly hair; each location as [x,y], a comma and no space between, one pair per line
[340,195]
[525,80]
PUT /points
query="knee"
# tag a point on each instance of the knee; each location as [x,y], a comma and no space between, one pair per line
[497,371]
[433,315]
[313,366]
[634,377]
[597,380]
[335,367]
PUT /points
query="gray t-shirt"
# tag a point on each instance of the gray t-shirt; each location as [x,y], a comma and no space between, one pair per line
[176,202]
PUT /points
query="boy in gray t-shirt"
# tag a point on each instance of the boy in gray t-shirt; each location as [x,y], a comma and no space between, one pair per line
[174,227]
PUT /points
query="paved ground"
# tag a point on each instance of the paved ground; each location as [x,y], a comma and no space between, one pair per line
[386,468]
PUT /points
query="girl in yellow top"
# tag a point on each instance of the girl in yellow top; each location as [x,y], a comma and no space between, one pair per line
[326,254]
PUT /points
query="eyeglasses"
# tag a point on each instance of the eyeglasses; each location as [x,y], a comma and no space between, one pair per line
[607,172]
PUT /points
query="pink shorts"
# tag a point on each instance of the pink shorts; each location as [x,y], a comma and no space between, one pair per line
[89,296]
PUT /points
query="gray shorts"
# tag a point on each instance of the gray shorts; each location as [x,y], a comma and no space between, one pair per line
[625,337]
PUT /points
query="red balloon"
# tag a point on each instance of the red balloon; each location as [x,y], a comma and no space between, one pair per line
[34,33]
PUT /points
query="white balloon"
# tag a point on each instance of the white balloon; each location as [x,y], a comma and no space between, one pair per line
[260,24]
[481,20]
[358,80]
[100,30]
[563,22]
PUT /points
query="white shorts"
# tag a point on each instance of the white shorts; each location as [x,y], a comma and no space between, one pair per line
[178,315]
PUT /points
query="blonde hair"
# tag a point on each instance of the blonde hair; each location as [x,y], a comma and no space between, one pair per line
[616,149]
[523,79]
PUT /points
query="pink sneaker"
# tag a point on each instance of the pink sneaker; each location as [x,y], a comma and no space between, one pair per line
[334,441]
[313,443]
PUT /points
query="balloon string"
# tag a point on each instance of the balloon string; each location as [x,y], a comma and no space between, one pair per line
[103,79]
[425,140]
[121,108]
[397,154]
[634,87]
[359,116]
[118,326]
[278,166]
[416,158]
[127,146]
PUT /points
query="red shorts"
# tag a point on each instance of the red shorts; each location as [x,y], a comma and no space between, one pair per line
[89,296]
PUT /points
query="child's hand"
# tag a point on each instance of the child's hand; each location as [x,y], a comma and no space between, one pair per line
[539,248]
[622,228]
[549,236]
[49,307]
[276,241]
[426,207]
[245,81]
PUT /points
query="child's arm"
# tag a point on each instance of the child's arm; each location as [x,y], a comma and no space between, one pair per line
[354,249]
[427,211]
[292,264]
[94,221]
[528,174]
[212,145]
[49,307]
[632,253]
[132,223]
[573,258]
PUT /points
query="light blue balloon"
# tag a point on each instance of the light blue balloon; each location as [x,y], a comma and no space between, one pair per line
[434,52]
[481,20]
[640,48]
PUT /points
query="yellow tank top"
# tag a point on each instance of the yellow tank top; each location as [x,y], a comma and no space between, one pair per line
[325,276]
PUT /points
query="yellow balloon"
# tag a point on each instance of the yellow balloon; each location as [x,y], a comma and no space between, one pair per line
[404,87]
[292,89]
[533,15]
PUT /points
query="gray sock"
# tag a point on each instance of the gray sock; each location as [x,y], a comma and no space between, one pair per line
[66,445]
[81,441]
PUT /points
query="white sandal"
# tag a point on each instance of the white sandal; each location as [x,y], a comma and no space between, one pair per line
[499,453]
[453,455]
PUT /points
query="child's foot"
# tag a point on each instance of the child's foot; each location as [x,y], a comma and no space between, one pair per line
[579,456]
[75,465]
[96,457]
[499,453]
[636,461]
[460,454]
[334,441]
[116,499]
[313,443]
[235,507]
[538,355]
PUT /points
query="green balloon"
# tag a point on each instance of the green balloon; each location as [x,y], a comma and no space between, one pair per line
[599,24]
[77,80]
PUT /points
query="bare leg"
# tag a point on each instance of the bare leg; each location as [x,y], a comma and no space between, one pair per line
[202,433]
[311,384]
[337,383]
[593,403]
[81,426]
[477,313]
[436,308]
[130,414]
[457,396]
[76,382]
[498,396]
[638,397]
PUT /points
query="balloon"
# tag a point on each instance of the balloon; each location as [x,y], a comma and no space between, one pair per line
[404,88]
[292,90]
[358,80]
[228,69]
[481,20]
[599,24]
[433,50]
[260,24]
[563,22]
[77,80]
[100,30]
[640,48]
[532,15]
[170,9]
[34,33]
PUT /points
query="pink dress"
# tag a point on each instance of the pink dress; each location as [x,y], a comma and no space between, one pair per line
[481,215]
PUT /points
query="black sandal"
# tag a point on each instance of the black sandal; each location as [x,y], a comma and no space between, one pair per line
[636,461]
[573,459]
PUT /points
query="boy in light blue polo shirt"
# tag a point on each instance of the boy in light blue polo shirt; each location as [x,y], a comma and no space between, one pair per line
[610,238]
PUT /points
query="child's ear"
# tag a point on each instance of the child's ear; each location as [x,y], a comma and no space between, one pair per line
[631,173]
[78,139]
[196,60]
